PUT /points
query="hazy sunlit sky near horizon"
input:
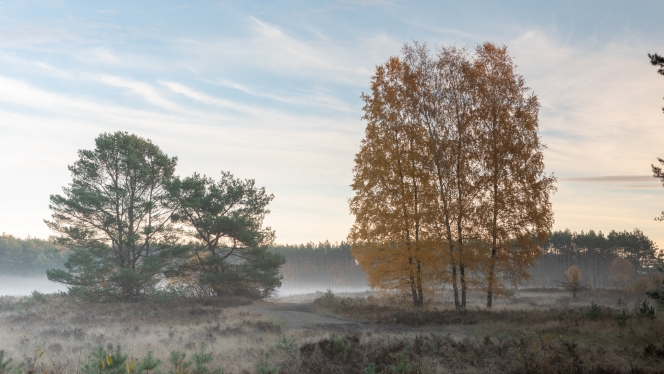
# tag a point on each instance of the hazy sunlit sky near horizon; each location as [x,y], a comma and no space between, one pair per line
[270,90]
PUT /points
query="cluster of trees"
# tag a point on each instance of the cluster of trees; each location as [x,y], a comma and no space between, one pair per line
[605,261]
[29,256]
[449,181]
[320,266]
[134,227]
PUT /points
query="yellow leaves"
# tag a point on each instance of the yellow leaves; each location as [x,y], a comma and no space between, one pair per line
[40,350]
[573,274]
[130,366]
[449,178]
[621,270]
[105,361]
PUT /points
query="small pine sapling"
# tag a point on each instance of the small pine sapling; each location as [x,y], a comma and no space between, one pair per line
[594,311]
[286,345]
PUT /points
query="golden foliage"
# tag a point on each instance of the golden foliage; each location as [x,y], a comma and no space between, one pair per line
[573,274]
[621,270]
[395,203]
[449,181]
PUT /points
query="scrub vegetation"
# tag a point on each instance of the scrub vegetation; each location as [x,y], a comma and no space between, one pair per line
[535,331]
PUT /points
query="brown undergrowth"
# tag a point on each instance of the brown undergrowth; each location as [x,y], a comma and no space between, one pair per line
[579,338]
[443,354]
[58,335]
[70,331]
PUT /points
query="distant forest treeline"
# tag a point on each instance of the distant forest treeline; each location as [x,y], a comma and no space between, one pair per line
[29,256]
[319,266]
[593,253]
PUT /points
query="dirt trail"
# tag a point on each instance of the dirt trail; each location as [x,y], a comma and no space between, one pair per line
[296,316]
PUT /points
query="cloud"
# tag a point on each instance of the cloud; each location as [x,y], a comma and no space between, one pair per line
[42,129]
[141,89]
[610,179]
[600,102]
[271,49]
[305,99]
[209,100]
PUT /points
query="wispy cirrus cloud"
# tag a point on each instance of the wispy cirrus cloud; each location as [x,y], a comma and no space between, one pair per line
[599,103]
[306,98]
[610,179]
[271,49]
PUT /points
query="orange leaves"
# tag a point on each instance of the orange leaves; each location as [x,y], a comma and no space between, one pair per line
[449,181]
[621,270]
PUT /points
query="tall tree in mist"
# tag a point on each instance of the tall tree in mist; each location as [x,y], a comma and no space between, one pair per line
[393,203]
[115,215]
[516,213]
[444,102]
[227,248]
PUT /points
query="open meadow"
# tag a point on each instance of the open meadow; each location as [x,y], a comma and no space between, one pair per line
[535,331]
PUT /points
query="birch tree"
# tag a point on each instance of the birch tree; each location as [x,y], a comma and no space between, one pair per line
[516,213]
[445,102]
[393,203]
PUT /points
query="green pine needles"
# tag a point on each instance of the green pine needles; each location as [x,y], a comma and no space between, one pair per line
[131,223]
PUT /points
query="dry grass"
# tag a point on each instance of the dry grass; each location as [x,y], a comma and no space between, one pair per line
[72,330]
[538,331]
[528,330]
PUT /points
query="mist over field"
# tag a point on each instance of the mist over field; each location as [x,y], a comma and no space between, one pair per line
[288,290]
[12,285]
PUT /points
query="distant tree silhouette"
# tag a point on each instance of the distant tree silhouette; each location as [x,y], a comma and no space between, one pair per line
[593,252]
[573,281]
[657,60]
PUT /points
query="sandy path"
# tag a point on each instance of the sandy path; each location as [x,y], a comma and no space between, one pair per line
[296,316]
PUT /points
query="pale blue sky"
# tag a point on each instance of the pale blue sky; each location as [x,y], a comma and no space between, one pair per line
[270,90]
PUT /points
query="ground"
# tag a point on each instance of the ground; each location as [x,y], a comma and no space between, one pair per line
[533,331]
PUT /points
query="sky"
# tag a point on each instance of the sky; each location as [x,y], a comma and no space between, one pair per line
[270,90]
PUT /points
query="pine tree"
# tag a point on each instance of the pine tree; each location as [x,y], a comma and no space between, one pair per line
[116,217]
[228,246]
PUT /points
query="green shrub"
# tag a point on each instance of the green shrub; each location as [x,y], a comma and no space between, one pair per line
[644,310]
[38,296]
[6,365]
[263,367]
[509,292]
[594,311]
[106,362]
[148,364]
[286,345]
[403,365]
[201,361]
[338,345]
[177,360]
[622,318]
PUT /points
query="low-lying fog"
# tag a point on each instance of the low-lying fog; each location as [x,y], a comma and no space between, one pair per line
[13,286]
[285,290]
